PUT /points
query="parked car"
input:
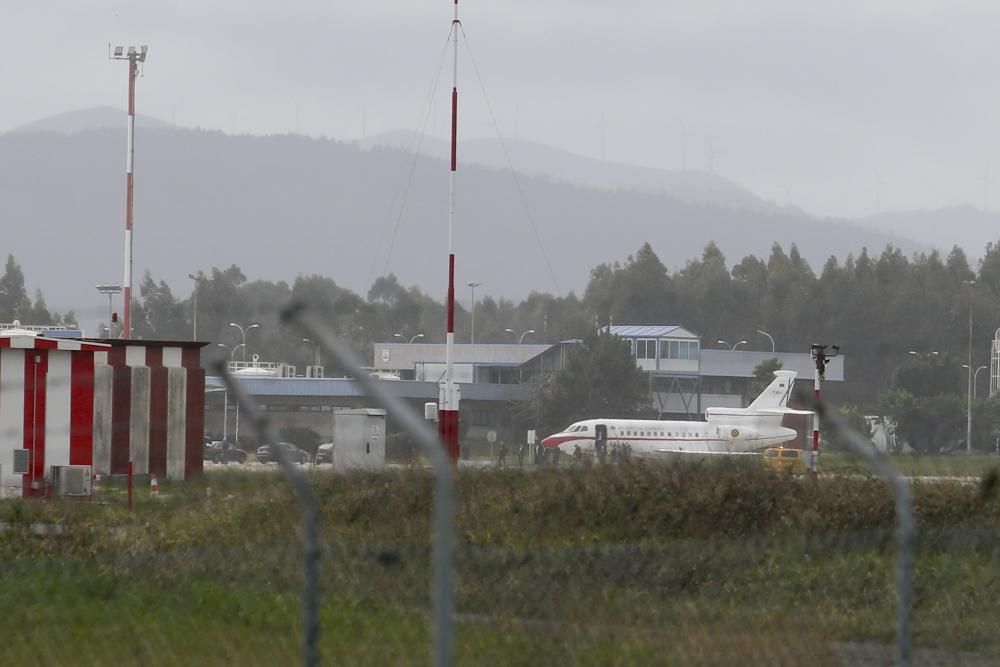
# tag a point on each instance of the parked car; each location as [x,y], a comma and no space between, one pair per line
[324,454]
[265,455]
[225,452]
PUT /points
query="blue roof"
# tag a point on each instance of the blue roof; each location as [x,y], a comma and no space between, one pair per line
[646,331]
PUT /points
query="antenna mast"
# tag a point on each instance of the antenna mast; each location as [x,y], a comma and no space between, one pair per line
[448,392]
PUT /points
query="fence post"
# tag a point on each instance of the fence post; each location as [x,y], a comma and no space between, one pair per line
[443,539]
[905,528]
[310,517]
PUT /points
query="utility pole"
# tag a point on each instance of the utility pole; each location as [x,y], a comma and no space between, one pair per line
[968,398]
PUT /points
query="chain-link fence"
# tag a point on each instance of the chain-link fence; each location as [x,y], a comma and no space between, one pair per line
[693,561]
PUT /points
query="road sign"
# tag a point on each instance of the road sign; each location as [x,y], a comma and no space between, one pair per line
[532,437]
[491,436]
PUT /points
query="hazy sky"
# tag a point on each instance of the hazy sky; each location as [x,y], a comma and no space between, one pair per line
[810,102]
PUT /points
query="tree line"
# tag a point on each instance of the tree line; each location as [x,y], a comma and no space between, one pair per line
[878,308]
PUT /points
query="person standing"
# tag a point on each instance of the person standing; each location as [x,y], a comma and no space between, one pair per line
[502,455]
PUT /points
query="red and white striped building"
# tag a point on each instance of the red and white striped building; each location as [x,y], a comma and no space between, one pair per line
[99,403]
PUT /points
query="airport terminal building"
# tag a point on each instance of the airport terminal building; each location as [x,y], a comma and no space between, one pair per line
[684,379]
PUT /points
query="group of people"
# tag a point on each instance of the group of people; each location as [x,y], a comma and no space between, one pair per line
[616,452]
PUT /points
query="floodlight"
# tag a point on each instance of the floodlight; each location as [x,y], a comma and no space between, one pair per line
[119,50]
[131,50]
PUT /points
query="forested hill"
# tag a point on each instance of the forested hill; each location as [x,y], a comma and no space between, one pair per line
[281,206]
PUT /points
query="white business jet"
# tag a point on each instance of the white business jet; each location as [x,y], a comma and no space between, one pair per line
[724,431]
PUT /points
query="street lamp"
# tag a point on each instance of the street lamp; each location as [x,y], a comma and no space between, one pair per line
[733,346]
[194,306]
[520,339]
[769,338]
[968,397]
[975,379]
[315,351]
[924,357]
[399,335]
[225,408]
[232,350]
[472,326]
[243,332]
[110,290]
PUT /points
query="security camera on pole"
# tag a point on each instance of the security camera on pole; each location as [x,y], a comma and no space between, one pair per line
[821,358]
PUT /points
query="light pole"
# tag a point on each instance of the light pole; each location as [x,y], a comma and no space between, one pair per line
[733,346]
[232,350]
[110,290]
[243,332]
[399,335]
[194,307]
[315,351]
[225,414]
[472,325]
[520,339]
[995,363]
[968,398]
[924,357]
[975,379]
[768,337]
[134,58]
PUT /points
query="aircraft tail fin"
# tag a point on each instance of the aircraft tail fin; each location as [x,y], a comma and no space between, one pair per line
[777,393]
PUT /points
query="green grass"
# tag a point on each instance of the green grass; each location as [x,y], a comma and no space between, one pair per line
[956,465]
[704,562]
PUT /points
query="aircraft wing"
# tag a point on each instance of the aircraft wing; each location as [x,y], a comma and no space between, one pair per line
[782,411]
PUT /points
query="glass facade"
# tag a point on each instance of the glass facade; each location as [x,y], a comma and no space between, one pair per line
[679,349]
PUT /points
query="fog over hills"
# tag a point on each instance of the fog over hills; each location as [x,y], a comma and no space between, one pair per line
[693,187]
[280,206]
[95,118]
[966,226]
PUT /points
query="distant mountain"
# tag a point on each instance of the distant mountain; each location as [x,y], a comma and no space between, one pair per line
[965,226]
[96,118]
[693,187]
[280,206]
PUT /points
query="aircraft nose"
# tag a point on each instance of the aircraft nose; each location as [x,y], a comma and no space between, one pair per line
[548,442]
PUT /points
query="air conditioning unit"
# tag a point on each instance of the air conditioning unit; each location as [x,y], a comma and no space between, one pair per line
[287,371]
[431,411]
[71,480]
[314,371]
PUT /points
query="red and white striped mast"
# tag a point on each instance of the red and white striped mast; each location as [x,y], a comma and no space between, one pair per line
[134,58]
[448,392]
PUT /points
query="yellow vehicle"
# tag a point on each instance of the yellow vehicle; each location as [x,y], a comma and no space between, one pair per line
[780,459]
